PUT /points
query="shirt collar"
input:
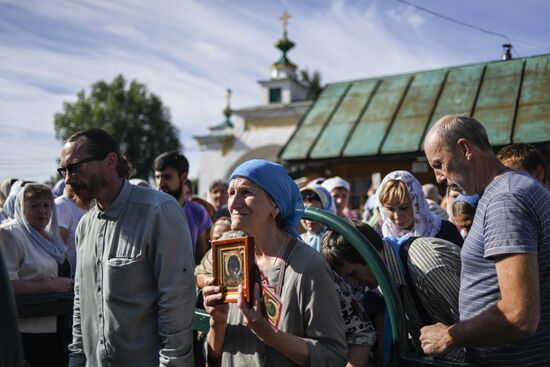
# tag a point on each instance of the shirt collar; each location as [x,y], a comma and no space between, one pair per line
[114,210]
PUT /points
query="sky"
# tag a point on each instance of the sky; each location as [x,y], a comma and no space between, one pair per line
[188,52]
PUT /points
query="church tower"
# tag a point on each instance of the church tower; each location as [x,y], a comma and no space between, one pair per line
[283,86]
[255,131]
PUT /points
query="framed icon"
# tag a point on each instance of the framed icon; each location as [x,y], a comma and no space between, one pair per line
[233,264]
[272,306]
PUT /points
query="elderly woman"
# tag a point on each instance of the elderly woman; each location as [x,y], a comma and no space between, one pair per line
[406,213]
[265,203]
[33,251]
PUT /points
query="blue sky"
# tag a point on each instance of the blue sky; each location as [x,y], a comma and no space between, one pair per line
[188,52]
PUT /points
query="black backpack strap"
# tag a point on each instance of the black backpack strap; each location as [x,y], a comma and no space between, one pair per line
[404,254]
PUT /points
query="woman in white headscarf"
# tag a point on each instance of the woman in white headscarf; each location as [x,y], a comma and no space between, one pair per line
[406,213]
[34,252]
[339,189]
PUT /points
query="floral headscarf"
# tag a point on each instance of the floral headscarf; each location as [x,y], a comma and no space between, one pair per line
[426,223]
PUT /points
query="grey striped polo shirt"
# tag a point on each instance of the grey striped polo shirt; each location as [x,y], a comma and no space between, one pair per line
[513,216]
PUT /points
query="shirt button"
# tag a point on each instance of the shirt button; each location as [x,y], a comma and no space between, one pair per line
[99,288]
[100,315]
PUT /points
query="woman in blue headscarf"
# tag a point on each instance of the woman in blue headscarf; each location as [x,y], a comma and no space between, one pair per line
[296,285]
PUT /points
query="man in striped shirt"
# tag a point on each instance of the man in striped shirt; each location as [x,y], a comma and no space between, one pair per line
[504,300]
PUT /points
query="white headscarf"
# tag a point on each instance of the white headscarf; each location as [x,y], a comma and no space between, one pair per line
[426,223]
[9,204]
[53,245]
[335,182]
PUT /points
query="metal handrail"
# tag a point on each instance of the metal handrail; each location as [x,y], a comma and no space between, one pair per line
[374,262]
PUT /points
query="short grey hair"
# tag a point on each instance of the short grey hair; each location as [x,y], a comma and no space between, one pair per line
[451,128]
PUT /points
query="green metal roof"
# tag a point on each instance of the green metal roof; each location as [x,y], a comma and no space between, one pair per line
[391,115]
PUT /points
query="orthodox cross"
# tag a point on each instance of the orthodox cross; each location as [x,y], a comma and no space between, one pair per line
[285,17]
[228,98]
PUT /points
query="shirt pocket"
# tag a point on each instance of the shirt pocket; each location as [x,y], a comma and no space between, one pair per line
[126,248]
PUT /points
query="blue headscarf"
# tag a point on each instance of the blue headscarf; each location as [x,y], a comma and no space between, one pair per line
[470,199]
[274,180]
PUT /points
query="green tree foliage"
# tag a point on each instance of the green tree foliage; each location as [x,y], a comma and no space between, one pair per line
[312,81]
[135,118]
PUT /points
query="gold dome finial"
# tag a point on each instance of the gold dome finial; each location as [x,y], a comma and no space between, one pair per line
[285,17]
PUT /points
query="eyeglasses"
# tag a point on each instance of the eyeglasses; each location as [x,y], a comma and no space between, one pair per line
[74,168]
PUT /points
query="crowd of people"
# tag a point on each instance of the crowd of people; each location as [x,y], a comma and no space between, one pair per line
[471,266]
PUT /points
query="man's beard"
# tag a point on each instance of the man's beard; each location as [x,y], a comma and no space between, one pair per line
[176,193]
[82,203]
[89,191]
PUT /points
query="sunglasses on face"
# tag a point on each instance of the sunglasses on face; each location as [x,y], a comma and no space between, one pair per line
[75,167]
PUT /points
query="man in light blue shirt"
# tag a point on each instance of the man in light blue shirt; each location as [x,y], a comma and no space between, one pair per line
[134,288]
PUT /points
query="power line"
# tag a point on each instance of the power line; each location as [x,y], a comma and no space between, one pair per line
[509,40]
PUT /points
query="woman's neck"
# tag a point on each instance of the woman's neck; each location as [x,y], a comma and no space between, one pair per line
[269,242]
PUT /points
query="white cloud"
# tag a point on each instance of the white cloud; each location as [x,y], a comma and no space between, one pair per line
[406,15]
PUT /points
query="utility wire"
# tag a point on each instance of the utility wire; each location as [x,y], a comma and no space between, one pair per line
[473,26]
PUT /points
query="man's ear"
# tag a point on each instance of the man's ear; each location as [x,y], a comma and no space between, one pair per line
[111,159]
[538,173]
[465,148]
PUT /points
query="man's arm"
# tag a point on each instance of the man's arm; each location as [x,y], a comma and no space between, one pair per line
[202,241]
[173,266]
[517,314]
[64,233]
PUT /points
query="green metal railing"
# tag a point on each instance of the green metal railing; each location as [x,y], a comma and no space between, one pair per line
[367,251]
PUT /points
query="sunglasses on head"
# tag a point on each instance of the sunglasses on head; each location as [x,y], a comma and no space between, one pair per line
[75,167]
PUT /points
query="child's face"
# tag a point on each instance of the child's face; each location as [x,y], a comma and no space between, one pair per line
[463,223]
[340,197]
[218,230]
[310,226]
[357,275]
